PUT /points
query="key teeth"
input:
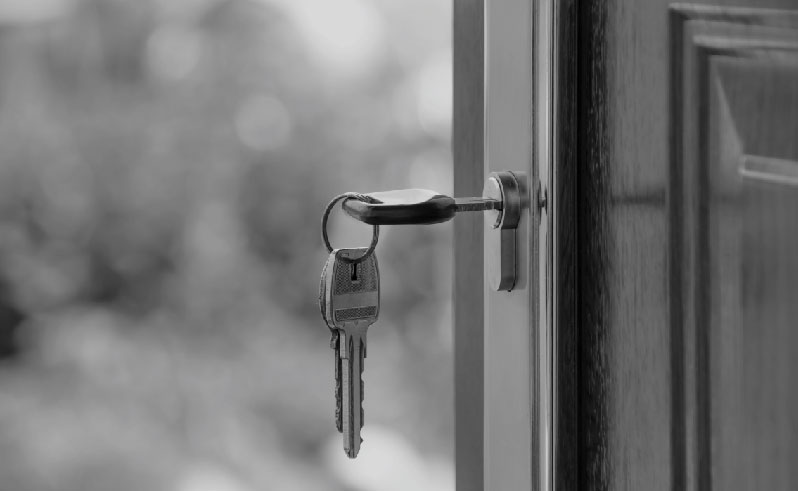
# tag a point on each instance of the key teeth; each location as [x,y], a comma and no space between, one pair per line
[335,344]
[339,420]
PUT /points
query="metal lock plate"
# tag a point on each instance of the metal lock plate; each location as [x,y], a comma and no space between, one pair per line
[501,228]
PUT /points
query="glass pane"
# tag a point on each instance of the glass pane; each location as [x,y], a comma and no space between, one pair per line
[163,171]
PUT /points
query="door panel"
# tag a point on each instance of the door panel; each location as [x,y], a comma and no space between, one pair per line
[686,283]
[752,277]
[737,84]
[753,274]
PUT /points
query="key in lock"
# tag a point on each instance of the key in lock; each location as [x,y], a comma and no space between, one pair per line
[504,200]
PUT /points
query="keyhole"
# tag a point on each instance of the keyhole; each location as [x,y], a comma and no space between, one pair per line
[354,272]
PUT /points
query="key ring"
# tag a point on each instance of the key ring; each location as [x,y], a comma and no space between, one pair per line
[376,228]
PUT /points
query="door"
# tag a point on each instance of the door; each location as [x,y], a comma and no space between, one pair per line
[687,223]
[655,340]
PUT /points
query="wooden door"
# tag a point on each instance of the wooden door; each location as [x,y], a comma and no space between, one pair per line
[688,227]
[656,340]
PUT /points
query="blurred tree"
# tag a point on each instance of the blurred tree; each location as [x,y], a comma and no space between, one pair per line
[164,166]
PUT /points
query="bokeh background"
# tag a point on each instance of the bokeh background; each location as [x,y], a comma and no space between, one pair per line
[163,168]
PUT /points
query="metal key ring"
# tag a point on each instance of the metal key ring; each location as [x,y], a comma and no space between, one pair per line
[376,228]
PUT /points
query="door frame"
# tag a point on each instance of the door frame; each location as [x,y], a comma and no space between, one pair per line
[515,353]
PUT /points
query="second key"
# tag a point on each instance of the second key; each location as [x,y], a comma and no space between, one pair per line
[353,304]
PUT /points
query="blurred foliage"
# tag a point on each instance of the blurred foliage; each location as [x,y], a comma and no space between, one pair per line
[164,167]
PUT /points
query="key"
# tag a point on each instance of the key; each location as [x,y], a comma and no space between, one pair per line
[414,206]
[334,340]
[352,304]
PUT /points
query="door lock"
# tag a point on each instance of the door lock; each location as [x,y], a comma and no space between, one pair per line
[501,242]
[502,199]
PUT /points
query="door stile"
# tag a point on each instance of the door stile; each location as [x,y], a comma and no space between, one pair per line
[543,138]
[510,371]
[529,383]
[467,151]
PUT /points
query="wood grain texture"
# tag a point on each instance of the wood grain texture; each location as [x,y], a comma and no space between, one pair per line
[592,260]
[468,150]
[637,427]
[566,402]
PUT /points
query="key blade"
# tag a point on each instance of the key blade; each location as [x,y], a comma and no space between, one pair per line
[476,204]
[324,304]
[353,354]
